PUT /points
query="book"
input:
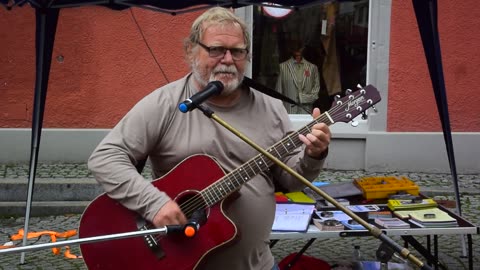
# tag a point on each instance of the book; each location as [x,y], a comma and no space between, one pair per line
[392,223]
[432,218]
[410,204]
[292,217]
[335,190]
[280,197]
[428,218]
[434,225]
[363,207]
[299,197]
[336,215]
[403,214]
[328,225]
[352,225]
[379,214]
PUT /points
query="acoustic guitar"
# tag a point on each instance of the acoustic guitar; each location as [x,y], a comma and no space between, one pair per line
[205,189]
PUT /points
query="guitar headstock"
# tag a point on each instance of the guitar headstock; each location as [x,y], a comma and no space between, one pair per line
[353,104]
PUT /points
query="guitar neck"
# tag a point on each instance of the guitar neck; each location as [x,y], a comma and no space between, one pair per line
[235,179]
[344,110]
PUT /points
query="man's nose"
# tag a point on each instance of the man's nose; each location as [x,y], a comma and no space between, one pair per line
[227,57]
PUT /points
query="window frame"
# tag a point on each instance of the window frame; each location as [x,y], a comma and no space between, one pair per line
[377,71]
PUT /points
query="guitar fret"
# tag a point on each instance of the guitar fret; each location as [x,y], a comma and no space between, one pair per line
[286,149]
[294,145]
[245,174]
[209,195]
[230,184]
[278,154]
[214,192]
[256,163]
[250,166]
[264,163]
[240,177]
[220,190]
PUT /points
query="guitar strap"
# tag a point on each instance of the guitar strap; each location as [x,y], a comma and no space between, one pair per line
[270,92]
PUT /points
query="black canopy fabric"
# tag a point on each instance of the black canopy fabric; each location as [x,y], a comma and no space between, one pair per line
[46,23]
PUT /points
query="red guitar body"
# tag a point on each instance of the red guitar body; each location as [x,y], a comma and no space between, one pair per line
[105,216]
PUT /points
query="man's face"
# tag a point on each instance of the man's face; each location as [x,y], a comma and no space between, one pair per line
[297,56]
[224,68]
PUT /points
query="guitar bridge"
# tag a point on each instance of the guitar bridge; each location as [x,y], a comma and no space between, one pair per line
[150,240]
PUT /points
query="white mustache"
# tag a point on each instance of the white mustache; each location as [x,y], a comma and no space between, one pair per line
[225,69]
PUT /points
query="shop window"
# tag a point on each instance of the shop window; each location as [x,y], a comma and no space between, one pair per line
[331,36]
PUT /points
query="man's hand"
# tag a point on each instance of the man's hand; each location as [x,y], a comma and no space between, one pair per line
[318,140]
[169,214]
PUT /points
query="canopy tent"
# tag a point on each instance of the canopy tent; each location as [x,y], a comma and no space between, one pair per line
[47,13]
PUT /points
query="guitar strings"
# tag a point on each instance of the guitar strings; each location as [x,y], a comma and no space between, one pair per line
[198,202]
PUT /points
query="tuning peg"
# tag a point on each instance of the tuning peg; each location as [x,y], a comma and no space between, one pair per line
[374,109]
[337,100]
[364,115]
[359,86]
[354,123]
[348,91]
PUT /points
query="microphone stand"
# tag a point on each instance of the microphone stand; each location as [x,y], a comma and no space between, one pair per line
[168,229]
[376,232]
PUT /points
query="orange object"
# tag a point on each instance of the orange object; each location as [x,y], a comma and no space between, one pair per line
[189,231]
[69,255]
[380,187]
[53,237]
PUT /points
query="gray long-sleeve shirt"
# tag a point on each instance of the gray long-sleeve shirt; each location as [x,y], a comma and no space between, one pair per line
[154,127]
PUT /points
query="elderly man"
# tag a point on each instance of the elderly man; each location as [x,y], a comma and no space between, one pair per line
[217,50]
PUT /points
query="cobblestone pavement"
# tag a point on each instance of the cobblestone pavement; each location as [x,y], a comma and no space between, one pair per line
[333,250]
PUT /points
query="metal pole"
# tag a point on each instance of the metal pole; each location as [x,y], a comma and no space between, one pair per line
[159,231]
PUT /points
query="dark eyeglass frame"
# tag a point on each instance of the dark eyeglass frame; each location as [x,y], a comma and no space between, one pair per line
[219,52]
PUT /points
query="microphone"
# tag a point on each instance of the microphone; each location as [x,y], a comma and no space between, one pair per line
[193,225]
[212,88]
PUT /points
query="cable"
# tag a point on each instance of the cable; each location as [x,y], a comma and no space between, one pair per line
[148,46]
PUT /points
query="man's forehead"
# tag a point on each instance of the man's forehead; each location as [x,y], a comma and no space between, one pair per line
[220,34]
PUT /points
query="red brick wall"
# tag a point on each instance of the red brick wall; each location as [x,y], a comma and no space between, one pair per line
[411,101]
[106,68]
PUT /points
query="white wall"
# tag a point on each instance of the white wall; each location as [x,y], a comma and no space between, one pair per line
[361,150]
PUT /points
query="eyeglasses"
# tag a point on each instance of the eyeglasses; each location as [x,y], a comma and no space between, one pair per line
[219,52]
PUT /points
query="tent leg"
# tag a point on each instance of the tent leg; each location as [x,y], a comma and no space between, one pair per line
[426,13]
[46,24]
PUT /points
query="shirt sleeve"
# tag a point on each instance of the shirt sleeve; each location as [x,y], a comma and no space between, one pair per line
[113,161]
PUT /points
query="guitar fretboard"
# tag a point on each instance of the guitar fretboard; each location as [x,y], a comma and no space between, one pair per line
[235,179]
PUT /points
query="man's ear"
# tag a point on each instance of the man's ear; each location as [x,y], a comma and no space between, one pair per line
[189,52]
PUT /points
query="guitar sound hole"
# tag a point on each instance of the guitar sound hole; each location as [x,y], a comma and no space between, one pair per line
[193,206]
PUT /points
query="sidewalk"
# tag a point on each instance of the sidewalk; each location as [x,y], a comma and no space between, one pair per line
[338,250]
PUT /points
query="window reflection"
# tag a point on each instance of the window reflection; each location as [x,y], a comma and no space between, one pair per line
[330,39]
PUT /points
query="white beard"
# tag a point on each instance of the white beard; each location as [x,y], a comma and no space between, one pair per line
[228,87]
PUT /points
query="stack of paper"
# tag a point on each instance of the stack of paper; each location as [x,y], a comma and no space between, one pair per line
[432,218]
[392,223]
